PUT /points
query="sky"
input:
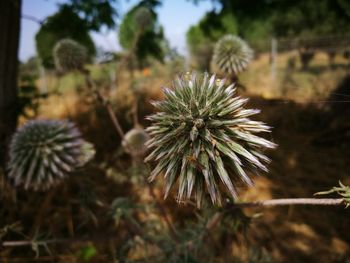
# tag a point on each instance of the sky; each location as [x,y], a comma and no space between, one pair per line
[176,16]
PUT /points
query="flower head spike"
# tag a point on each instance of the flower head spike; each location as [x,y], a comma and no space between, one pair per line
[43,152]
[202,137]
[232,54]
[69,55]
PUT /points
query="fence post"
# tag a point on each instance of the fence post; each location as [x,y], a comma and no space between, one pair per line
[113,79]
[273,60]
[43,80]
[42,76]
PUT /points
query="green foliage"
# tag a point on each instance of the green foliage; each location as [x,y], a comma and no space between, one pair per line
[122,208]
[29,69]
[43,152]
[95,13]
[64,24]
[29,97]
[69,55]
[202,135]
[87,253]
[267,18]
[307,18]
[201,37]
[143,42]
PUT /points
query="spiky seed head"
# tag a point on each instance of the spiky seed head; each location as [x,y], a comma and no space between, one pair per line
[143,17]
[69,55]
[43,152]
[232,54]
[134,142]
[203,137]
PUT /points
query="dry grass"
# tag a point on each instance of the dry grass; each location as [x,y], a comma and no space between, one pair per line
[298,169]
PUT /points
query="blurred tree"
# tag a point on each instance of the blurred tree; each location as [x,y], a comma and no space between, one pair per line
[64,24]
[146,42]
[74,20]
[284,18]
[201,37]
[29,69]
[309,18]
[95,13]
[10,12]
[265,19]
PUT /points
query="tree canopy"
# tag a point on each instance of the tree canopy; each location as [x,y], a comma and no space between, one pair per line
[148,41]
[261,20]
[74,20]
[95,13]
[267,18]
[64,24]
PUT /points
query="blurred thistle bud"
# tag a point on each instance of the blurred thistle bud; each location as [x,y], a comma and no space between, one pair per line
[43,152]
[69,55]
[232,54]
[202,135]
[143,17]
[134,142]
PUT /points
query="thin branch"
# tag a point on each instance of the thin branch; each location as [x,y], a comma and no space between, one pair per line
[131,226]
[33,19]
[22,243]
[290,201]
[162,210]
[41,212]
[91,85]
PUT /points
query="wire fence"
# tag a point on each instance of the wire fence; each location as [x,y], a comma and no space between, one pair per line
[338,43]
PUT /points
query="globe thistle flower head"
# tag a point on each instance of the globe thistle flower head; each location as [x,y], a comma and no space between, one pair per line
[43,152]
[204,140]
[143,17]
[134,142]
[69,55]
[232,54]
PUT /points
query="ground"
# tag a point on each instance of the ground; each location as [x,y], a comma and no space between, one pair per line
[312,156]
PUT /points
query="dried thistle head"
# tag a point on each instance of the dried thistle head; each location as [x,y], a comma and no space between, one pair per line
[232,54]
[43,152]
[203,137]
[69,55]
[143,17]
[134,142]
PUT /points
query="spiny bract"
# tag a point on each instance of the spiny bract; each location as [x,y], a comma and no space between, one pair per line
[43,152]
[134,142]
[202,135]
[69,55]
[232,54]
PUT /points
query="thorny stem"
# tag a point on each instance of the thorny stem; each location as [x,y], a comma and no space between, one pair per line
[41,212]
[91,85]
[135,113]
[211,224]
[162,210]
[216,218]
[290,201]
[99,238]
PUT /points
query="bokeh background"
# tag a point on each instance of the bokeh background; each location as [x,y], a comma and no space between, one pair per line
[299,78]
